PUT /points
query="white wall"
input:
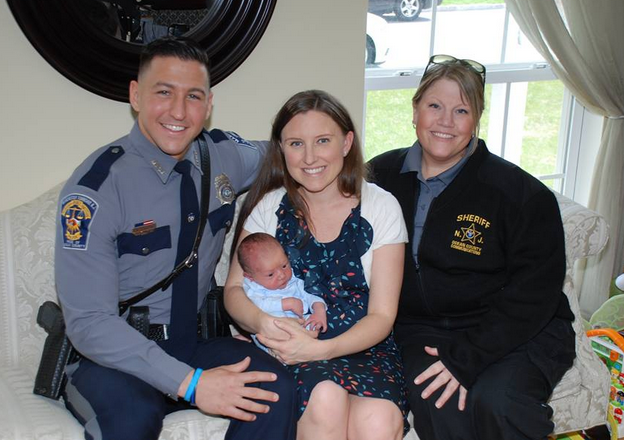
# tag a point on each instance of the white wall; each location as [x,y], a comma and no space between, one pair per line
[48,125]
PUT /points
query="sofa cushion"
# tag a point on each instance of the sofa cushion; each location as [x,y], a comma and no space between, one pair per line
[24,415]
[193,425]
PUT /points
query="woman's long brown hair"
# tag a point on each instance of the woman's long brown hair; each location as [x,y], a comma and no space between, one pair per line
[273,173]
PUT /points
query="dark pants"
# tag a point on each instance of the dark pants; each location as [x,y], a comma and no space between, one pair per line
[508,400]
[112,405]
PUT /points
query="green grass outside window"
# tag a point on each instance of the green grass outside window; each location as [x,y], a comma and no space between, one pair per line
[389,124]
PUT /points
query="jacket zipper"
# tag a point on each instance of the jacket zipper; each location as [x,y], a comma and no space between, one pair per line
[418,272]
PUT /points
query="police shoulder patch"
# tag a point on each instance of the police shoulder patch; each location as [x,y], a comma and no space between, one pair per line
[239,140]
[77,213]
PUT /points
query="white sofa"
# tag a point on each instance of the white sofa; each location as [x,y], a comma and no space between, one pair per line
[27,280]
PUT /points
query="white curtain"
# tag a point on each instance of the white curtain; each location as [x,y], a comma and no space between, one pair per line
[583,40]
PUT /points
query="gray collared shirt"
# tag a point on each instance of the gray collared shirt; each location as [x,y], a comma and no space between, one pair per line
[107,260]
[429,189]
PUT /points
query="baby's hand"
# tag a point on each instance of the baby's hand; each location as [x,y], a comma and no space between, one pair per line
[318,319]
[294,305]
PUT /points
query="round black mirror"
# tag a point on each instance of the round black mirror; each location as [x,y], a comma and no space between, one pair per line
[96,43]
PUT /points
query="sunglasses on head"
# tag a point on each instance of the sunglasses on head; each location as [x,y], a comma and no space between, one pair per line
[448,59]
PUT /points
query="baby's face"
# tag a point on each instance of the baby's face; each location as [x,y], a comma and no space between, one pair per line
[271,268]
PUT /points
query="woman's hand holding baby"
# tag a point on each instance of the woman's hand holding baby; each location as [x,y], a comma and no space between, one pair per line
[301,346]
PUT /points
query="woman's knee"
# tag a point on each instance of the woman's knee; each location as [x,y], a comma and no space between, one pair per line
[329,404]
[374,419]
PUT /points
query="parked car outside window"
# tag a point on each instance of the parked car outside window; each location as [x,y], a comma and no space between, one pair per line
[377,44]
[405,10]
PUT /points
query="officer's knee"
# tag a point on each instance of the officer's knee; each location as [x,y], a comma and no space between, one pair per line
[137,420]
[285,388]
[489,402]
[284,385]
[508,415]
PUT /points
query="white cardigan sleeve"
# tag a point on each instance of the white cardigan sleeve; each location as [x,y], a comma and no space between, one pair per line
[263,218]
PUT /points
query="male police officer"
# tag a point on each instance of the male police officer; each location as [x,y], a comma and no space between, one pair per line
[122,228]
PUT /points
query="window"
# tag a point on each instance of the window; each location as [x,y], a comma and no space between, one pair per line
[529,115]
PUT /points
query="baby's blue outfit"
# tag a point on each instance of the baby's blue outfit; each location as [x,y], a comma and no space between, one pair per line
[270,301]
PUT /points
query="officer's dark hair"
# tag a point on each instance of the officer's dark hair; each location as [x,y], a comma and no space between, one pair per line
[183,48]
[250,243]
[274,174]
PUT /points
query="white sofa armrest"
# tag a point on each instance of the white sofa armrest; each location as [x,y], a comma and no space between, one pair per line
[580,400]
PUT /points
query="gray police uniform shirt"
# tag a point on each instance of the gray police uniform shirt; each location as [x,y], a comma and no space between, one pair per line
[117,235]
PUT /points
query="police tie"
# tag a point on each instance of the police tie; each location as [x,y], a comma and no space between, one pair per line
[183,330]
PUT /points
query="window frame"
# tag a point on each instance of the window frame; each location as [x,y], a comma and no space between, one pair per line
[572,117]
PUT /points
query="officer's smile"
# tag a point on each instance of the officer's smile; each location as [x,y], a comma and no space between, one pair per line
[174,127]
[173,101]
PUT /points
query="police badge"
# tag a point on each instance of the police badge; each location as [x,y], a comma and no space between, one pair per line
[224,189]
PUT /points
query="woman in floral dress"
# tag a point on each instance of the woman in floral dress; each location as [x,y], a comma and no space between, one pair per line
[345,238]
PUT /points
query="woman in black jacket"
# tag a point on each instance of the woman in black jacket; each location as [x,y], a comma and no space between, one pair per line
[484,328]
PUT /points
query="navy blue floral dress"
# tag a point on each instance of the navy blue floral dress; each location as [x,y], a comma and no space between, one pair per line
[334,272]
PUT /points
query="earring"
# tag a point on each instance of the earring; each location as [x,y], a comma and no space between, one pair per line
[414,125]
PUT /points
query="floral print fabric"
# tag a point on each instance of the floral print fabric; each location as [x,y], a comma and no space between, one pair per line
[334,272]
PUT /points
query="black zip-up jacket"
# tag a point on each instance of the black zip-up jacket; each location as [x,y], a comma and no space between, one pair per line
[491,260]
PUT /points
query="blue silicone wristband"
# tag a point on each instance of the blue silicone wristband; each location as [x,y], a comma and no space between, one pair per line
[189,396]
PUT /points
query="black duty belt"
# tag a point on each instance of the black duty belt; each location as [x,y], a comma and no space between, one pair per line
[160,332]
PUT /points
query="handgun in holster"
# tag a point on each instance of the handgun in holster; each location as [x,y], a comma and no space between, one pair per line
[58,352]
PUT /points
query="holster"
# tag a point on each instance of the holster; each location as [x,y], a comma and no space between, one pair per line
[213,318]
[57,352]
